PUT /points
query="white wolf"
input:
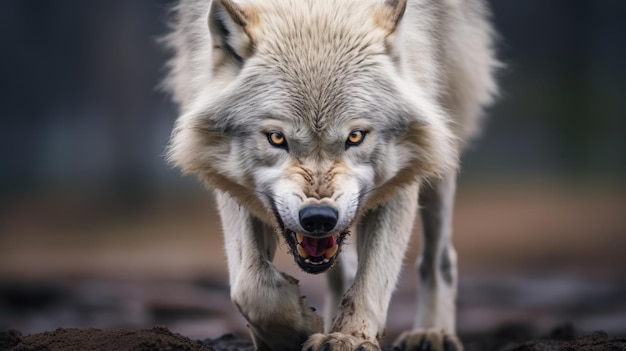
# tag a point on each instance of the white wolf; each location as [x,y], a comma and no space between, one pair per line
[313,119]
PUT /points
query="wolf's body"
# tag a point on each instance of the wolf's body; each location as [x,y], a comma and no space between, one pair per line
[311,117]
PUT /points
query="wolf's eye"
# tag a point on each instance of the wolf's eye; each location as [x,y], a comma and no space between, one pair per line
[277,139]
[355,138]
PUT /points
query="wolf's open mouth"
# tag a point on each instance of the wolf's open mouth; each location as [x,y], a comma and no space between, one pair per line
[314,255]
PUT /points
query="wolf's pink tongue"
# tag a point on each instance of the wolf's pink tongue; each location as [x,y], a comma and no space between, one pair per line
[317,247]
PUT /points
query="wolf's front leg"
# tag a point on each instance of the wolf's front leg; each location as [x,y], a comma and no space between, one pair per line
[278,316]
[383,237]
[434,328]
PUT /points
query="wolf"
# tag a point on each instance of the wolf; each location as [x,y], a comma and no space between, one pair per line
[324,122]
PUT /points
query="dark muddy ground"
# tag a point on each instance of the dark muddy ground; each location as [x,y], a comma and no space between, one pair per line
[162,339]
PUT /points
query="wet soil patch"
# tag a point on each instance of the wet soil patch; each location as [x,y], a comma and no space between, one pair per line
[162,339]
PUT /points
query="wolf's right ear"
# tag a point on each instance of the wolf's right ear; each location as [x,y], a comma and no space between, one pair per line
[231,25]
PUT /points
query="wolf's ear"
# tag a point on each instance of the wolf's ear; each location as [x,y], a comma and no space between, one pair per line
[231,25]
[389,13]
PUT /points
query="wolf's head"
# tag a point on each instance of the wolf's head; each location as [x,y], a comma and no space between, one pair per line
[309,119]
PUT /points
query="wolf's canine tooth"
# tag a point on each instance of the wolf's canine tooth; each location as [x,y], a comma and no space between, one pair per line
[300,237]
[301,251]
[332,251]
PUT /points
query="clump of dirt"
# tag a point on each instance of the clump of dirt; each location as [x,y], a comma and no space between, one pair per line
[153,339]
[162,339]
[598,341]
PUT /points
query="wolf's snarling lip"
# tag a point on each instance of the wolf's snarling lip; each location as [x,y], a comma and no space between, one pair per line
[314,255]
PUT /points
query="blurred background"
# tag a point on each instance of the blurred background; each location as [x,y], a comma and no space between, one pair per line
[97,231]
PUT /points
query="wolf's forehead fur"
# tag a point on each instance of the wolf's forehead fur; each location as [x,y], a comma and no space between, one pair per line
[319,58]
[318,30]
[316,21]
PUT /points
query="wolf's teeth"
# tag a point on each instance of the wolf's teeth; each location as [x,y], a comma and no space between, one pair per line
[301,251]
[332,251]
[300,237]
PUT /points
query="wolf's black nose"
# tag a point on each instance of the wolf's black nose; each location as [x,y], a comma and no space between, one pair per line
[318,218]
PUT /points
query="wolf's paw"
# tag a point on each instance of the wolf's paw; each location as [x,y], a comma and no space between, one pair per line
[427,340]
[339,342]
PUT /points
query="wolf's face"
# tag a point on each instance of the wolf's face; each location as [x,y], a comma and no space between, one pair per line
[312,123]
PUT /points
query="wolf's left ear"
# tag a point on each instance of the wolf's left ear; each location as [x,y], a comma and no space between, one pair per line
[389,13]
[231,25]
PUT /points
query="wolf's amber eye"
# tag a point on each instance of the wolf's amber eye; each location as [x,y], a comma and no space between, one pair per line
[355,138]
[277,139]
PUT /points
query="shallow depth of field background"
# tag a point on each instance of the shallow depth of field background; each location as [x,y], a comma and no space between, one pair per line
[97,231]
